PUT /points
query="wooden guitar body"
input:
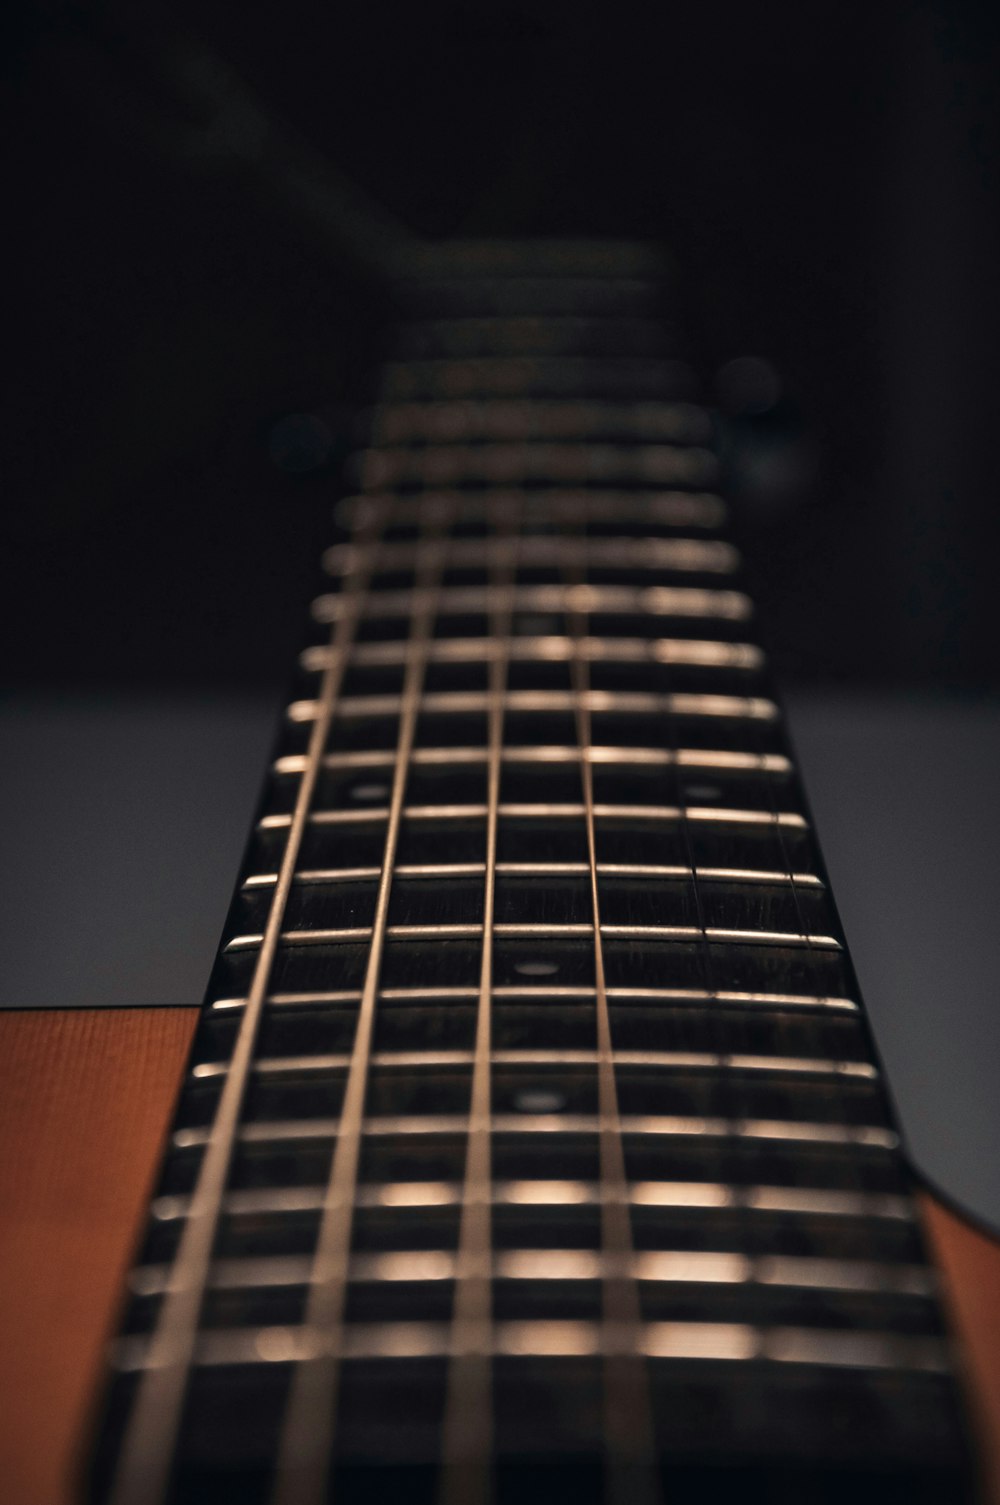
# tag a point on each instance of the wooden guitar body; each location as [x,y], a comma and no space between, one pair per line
[74,1199]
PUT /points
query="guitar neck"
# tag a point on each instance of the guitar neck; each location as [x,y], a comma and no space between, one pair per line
[533,1141]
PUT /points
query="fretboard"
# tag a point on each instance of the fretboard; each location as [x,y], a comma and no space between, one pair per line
[533,1144]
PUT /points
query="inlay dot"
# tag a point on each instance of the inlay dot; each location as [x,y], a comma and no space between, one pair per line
[369,793]
[698,792]
[275,1345]
[537,1100]
[536,968]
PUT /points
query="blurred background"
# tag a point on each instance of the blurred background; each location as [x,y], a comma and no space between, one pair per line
[187,328]
[825,176]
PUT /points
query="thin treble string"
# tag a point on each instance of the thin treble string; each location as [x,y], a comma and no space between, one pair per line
[306,1446]
[732,1108]
[467,1440]
[632,1473]
[146,1457]
[853,1155]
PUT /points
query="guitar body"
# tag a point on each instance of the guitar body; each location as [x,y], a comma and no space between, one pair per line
[74,1203]
[86,1097]
[532,893]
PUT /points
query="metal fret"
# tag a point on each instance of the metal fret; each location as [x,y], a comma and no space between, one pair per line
[687,651]
[364,933]
[695,996]
[797,900]
[805,1202]
[668,1126]
[551,1338]
[437,871]
[146,1456]
[659,1060]
[625,757]
[671,1267]
[307,1436]
[456,702]
[652,601]
[790,819]
[697,555]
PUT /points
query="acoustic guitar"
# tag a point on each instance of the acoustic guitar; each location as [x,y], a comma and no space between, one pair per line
[531,1143]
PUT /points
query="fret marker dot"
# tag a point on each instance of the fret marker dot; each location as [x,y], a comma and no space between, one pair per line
[275,1345]
[700,792]
[369,793]
[536,969]
[538,1101]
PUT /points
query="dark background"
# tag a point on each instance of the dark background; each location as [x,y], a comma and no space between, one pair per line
[825,176]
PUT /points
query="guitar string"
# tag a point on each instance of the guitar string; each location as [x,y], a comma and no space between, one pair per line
[728,1095]
[308,1433]
[467,1436]
[837,1088]
[631,1476]
[147,1450]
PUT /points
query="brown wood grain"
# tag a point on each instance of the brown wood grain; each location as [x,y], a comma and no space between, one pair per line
[85,1100]
[969,1262]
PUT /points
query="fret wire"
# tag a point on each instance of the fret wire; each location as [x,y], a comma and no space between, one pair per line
[555,931]
[854,1171]
[662,1060]
[701,653]
[687,555]
[627,757]
[748,1197]
[870,1137]
[641,702]
[526,990]
[868,1350]
[688,601]
[433,871]
[537,810]
[308,1433]
[716,1033]
[147,1450]
[467,1437]
[631,1476]
[722,1266]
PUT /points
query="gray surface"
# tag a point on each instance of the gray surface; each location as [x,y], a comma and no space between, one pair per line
[906,797]
[123,825]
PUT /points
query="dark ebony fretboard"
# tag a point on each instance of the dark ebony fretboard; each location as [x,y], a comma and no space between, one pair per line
[533,1146]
